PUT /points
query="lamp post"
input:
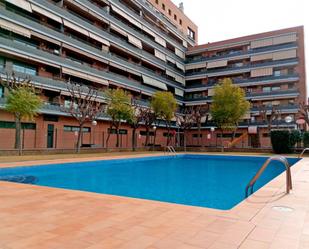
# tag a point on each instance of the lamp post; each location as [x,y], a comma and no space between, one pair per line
[94,123]
[154,136]
[212,129]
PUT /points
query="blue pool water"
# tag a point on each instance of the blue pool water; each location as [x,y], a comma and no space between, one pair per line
[199,180]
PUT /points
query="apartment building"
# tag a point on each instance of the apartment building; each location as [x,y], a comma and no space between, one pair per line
[270,67]
[142,47]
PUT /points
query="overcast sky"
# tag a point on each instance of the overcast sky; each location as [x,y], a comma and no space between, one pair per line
[223,19]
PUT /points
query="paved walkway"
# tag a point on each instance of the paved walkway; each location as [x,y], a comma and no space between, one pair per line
[49,218]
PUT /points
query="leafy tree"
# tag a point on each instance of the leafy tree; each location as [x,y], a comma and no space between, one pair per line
[84,106]
[23,103]
[119,109]
[164,106]
[228,106]
[136,119]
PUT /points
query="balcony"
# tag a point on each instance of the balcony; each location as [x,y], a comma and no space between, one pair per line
[253,96]
[89,26]
[243,54]
[32,24]
[246,82]
[243,69]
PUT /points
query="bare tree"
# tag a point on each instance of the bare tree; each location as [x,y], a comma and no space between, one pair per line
[84,107]
[185,120]
[304,111]
[149,118]
[270,116]
[136,120]
[201,115]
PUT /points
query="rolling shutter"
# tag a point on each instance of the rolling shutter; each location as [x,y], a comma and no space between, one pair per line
[21,4]
[214,64]
[15,28]
[284,54]
[179,92]
[136,42]
[261,43]
[46,13]
[261,72]
[196,65]
[284,39]
[149,81]
[160,55]
[75,27]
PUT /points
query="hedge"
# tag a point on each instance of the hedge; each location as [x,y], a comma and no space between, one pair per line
[306,139]
[283,141]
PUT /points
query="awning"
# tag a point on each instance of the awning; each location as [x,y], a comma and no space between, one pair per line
[147,30]
[75,27]
[169,73]
[46,13]
[119,30]
[180,66]
[196,66]
[179,92]
[180,79]
[149,81]
[84,76]
[214,64]
[261,72]
[284,39]
[126,16]
[160,55]
[136,42]
[46,38]
[21,4]
[211,92]
[160,41]
[99,39]
[261,43]
[284,54]
[261,57]
[15,28]
[179,53]
[170,59]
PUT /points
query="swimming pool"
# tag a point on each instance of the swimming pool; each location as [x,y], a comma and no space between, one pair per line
[198,180]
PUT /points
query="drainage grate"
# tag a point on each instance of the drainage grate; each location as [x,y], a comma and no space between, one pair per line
[20,179]
[282,209]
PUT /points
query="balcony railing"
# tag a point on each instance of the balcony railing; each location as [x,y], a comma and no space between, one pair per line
[263,80]
[206,72]
[240,53]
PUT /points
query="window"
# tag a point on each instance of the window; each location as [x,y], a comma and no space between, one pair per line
[175,17]
[69,128]
[180,21]
[191,33]
[1,91]
[24,68]
[51,118]
[290,70]
[11,125]
[163,6]
[277,73]
[144,133]
[169,12]
[121,131]
[291,85]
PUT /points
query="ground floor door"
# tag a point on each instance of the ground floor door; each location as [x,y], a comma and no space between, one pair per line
[254,140]
[50,136]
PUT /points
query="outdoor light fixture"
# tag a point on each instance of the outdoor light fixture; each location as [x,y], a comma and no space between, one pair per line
[288,119]
[94,122]
[154,127]
[212,129]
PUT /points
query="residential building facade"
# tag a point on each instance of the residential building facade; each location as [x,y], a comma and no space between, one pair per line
[142,47]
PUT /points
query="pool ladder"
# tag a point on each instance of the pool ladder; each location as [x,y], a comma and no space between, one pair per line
[302,153]
[171,150]
[264,166]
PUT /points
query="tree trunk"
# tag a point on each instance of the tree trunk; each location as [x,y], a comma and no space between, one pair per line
[147,136]
[18,145]
[117,133]
[185,140]
[199,132]
[79,138]
[168,133]
[109,134]
[222,146]
[154,139]
[133,138]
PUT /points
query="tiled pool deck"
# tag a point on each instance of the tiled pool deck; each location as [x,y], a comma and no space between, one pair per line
[48,218]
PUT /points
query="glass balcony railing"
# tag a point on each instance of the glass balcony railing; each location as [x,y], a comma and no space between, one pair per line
[206,72]
[263,80]
[239,53]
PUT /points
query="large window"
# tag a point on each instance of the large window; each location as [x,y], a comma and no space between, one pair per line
[24,68]
[11,125]
[191,33]
[2,63]
[75,128]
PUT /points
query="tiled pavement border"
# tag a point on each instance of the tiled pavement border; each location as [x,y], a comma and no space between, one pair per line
[41,217]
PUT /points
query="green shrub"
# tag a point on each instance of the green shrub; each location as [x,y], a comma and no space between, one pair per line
[283,141]
[295,137]
[306,139]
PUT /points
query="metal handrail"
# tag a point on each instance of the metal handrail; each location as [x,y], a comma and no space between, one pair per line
[302,153]
[261,170]
[171,149]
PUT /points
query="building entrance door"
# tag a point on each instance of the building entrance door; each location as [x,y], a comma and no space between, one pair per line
[50,136]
